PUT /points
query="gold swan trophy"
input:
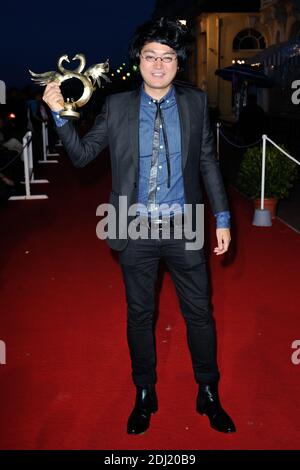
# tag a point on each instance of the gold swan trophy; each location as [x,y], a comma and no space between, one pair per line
[89,79]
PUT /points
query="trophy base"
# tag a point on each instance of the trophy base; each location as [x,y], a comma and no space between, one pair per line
[69,114]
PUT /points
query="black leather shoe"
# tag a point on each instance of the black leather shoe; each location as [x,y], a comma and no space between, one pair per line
[208,403]
[145,405]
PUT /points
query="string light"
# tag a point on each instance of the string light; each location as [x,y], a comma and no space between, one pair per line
[238,61]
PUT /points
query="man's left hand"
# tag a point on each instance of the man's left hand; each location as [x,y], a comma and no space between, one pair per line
[223,238]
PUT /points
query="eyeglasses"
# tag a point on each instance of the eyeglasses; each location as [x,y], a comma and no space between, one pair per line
[167,59]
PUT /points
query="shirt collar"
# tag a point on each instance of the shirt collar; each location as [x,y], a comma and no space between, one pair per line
[168,99]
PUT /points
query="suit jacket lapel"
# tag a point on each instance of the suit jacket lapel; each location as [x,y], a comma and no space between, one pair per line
[184,117]
[133,126]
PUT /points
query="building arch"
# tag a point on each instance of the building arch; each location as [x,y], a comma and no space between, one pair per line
[248,39]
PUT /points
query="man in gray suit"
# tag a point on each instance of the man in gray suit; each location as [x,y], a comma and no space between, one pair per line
[160,143]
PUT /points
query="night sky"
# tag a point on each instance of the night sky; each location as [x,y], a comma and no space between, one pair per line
[35,34]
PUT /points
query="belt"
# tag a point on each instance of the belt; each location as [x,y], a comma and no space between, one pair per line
[161,222]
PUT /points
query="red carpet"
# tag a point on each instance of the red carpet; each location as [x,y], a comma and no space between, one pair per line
[66,383]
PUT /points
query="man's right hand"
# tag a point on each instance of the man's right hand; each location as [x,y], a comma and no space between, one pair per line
[53,97]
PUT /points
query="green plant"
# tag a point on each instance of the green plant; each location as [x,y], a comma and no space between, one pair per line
[279,176]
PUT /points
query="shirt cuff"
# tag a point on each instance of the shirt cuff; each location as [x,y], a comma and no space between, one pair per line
[223,219]
[59,121]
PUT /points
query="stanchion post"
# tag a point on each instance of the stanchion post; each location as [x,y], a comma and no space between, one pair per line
[45,146]
[263,171]
[28,171]
[262,217]
[26,140]
[47,143]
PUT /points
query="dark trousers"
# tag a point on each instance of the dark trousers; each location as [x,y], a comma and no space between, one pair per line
[139,262]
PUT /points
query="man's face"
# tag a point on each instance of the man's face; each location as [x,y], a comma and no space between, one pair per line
[158,75]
